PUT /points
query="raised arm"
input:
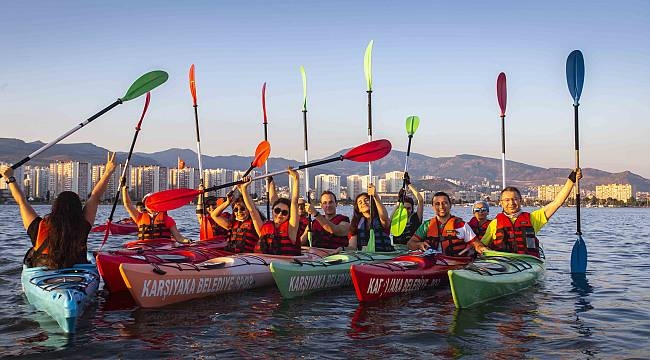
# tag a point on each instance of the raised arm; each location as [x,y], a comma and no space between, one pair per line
[216,213]
[419,199]
[252,210]
[381,209]
[270,186]
[128,205]
[552,207]
[294,217]
[90,210]
[27,212]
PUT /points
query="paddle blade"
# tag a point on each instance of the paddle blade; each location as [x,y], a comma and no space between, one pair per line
[192,85]
[264,102]
[579,256]
[371,242]
[575,74]
[367,65]
[304,88]
[261,154]
[502,93]
[412,123]
[398,221]
[144,111]
[170,199]
[370,151]
[145,83]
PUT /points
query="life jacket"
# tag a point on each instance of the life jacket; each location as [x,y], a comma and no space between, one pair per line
[303,224]
[276,241]
[382,239]
[479,230]
[325,239]
[448,241]
[153,228]
[412,225]
[243,237]
[37,255]
[212,231]
[516,238]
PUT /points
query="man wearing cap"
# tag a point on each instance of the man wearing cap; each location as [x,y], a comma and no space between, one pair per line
[480,221]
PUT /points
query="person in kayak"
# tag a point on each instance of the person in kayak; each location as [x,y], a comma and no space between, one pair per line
[208,228]
[59,239]
[280,235]
[151,224]
[302,214]
[328,230]
[480,221]
[360,226]
[444,232]
[242,237]
[414,219]
[514,230]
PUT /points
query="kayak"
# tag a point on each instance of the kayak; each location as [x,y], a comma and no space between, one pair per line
[493,275]
[62,294]
[403,274]
[156,285]
[108,262]
[118,228]
[300,278]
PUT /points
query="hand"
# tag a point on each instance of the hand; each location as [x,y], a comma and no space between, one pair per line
[578,173]
[6,171]
[479,247]
[423,245]
[371,190]
[407,178]
[401,195]
[246,181]
[110,163]
[293,173]
[185,241]
[311,209]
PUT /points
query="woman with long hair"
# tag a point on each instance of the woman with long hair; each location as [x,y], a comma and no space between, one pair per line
[364,218]
[242,237]
[59,239]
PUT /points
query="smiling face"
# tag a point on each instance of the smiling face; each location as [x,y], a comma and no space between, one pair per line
[240,211]
[441,206]
[328,204]
[280,213]
[362,203]
[480,212]
[510,202]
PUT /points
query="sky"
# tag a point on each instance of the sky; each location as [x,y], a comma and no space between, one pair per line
[63,61]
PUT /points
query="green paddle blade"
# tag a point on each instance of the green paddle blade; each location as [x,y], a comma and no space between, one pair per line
[367,65]
[145,83]
[398,222]
[412,123]
[371,242]
[304,88]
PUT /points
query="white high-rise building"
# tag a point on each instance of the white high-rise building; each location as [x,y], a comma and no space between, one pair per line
[324,182]
[256,188]
[147,179]
[214,177]
[70,176]
[184,178]
[20,175]
[394,181]
[97,171]
[354,185]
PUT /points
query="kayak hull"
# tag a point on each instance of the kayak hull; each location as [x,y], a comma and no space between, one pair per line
[62,294]
[494,275]
[403,274]
[117,228]
[301,278]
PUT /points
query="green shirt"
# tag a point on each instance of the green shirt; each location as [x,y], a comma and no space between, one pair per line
[537,218]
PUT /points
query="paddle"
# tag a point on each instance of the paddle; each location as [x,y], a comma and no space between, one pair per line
[174,198]
[124,170]
[204,224]
[400,216]
[575,76]
[304,121]
[142,85]
[502,96]
[266,138]
[367,70]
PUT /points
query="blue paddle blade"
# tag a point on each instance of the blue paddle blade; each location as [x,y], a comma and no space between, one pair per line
[579,256]
[575,74]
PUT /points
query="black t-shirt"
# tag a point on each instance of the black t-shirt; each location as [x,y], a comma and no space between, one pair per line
[412,226]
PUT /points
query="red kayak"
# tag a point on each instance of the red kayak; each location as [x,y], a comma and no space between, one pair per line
[122,227]
[403,274]
[108,262]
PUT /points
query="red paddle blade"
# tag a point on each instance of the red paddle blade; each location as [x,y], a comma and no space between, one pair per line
[192,85]
[264,101]
[261,153]
[369,151]
[502,94]
[144,111]
[170,199]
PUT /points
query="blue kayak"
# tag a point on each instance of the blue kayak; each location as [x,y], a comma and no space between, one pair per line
[62,294]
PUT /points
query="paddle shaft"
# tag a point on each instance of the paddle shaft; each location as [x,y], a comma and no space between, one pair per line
[53,142]
[266,171]
[577,143]
[503,151]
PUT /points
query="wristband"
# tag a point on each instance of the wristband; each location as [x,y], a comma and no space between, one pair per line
[10,180]
[572,176]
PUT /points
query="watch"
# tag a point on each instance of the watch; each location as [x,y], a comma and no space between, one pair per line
[10,180]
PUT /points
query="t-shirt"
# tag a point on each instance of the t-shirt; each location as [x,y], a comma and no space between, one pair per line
[412,226]
[537,218]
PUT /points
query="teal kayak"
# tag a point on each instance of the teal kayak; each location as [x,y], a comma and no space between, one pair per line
[493,275]
[62,294]
[300,278]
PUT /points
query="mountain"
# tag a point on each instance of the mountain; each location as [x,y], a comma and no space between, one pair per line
[471,169]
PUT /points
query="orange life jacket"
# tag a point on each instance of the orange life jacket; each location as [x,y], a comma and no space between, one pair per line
[153,228]
[325,239]
[243,237]
[448,241]
[277,241]
[518,237]
[212,231]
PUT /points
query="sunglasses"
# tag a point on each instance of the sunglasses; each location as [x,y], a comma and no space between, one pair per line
[278,211]
[481,210]
[238,209]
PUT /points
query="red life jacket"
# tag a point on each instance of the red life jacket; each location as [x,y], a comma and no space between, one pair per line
[479,230]
[516,238]
[212,231]
[276,241]
[243,237]
[448,241]
[153,228]
[325,239]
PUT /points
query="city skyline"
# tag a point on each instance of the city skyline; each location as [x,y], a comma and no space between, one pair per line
[438,61]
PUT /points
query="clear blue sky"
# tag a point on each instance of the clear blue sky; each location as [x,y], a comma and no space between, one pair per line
[63,61]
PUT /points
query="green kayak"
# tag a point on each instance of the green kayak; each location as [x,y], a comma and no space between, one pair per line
[300,278]
[493,275]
